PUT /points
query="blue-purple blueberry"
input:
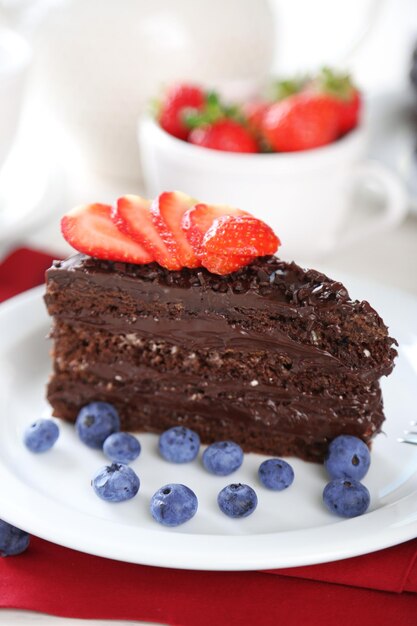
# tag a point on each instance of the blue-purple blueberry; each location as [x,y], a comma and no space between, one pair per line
[276,474]
[346,497]
[237,500]
[222,458]
[347,457]
[12,540]
[41,435]
[173,504]
[179,444]
[121,448]
[95,422]
[115,483]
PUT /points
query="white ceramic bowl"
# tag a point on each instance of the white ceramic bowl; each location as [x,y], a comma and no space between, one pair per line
[15,57]
[304,196]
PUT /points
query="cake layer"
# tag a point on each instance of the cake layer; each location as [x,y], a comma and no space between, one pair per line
[83,352]
[277,425]
[270,302]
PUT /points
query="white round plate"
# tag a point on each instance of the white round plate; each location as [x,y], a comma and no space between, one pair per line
[50,494]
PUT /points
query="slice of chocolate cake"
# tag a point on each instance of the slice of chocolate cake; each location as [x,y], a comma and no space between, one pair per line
[274,357]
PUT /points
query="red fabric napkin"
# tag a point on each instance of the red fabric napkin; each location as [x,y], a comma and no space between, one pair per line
[56,580]
[21,270]
[378,588]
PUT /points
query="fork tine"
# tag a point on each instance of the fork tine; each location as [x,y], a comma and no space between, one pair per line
[406,438]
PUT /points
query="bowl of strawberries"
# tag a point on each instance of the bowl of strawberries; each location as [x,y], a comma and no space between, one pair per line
[295,158]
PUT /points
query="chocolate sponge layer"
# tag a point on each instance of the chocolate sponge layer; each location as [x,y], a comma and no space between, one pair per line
[274,357]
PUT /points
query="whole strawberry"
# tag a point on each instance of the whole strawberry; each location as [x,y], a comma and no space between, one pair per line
[220,127]
[225,134]
[254,112]
[340,86]
[349,112]
[301,122]
[178,100]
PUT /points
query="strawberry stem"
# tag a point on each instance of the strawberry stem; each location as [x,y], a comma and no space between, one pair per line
[213,111]
[281,89]
[338,84]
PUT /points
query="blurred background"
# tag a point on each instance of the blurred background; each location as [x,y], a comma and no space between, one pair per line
[77,75]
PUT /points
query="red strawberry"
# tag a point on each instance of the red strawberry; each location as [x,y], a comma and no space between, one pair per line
[254,112]
[178,99]
[301,122]
[341,87]
[350,112]
[167,212]
[133,217]
[226,264]
[232,242]
[225,134]
[197,220]
[89,229]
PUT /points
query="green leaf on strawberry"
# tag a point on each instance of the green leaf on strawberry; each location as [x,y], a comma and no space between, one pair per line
[341,87]
[281,89]
[212,111]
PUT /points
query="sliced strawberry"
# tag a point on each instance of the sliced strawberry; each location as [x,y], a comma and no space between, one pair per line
[226,264]
[232,241]
[197,220]
[132,216]
[167,213]
[90,229]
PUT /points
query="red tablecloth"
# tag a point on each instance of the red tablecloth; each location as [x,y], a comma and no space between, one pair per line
[379,588]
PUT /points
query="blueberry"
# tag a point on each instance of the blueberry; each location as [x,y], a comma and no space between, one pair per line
[237,500]
[179,444]
[95,422]
[12,540]
[41,435]
[173,504]
[121,448]
[222,458]
[115,483]
[276,474]
[347,457]
[346,497]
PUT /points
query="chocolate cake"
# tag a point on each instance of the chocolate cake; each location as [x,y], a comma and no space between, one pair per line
[272,356]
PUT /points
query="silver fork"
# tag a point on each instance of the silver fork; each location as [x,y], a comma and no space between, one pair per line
[408,436]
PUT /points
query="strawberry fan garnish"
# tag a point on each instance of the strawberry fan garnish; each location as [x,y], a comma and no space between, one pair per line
[174,230]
